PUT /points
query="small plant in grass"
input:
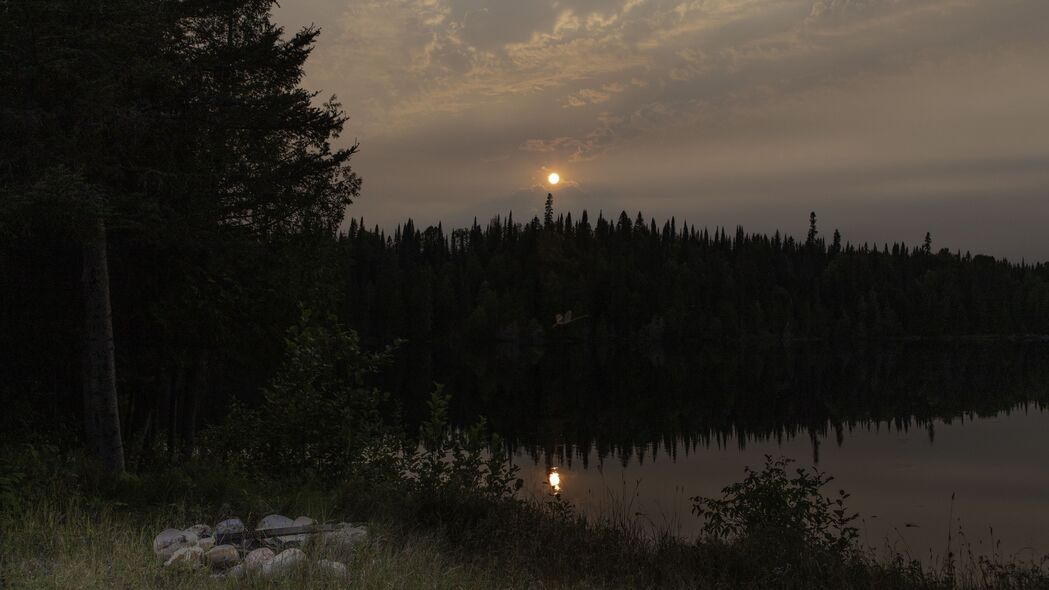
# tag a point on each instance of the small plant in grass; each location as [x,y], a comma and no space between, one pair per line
[560,509]
[453,464]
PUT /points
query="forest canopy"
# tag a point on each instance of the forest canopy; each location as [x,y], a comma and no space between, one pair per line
[629,277]
[162,176]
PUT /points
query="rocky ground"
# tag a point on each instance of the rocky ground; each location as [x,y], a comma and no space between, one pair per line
[230,550]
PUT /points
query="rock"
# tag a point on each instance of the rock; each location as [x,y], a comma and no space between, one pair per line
[286,561]
[170,541]
[228,527]
[347,535]
[200,530]
[186,556]
[332,567]
[300,538]
[274,521]
[206,543]
[233,572]
[222,556]
[258,558]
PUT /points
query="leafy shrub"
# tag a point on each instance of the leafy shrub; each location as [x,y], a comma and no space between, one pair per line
[784,517]
[28,471]
[320,417]
[322,420]
[455,470]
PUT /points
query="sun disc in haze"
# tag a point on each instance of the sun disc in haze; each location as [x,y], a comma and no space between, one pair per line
[554,178]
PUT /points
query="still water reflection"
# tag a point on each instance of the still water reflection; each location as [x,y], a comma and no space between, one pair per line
[638,431]
[902,483]
[553,479]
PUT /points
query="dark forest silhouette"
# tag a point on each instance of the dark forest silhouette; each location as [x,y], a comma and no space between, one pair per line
[630,282]
[636,278]
[166,150]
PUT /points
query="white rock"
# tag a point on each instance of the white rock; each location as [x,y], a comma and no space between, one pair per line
[228,527]
[274,521]
[286,561]
[347,535]
[171,540]
[277,521]
[332,567]
[200,530]
[233,572]
[186,556]
[258,558]
[222,556]
[206,543]
[300,538]
[166,538]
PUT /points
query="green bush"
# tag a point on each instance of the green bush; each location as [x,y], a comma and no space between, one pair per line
[457,461]
[322,420]
[783,517]
[320,417]
[454,474]
[30,470]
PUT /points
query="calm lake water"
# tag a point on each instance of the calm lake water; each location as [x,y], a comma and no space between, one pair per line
[903,428]
[901,482]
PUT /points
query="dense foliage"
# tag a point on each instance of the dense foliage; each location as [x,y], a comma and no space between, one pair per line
[177,136]
[319,418]
[783,515]
[631,278]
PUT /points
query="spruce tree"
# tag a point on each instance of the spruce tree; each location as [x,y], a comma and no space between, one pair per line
[183,125]
[81,116]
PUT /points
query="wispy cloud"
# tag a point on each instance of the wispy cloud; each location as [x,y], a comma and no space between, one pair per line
[519,85]
[589,96]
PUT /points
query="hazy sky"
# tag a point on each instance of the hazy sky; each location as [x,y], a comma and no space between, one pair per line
[889,118]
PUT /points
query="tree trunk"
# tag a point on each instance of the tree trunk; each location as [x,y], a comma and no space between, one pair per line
[101,413]
[174,393]
[194,394]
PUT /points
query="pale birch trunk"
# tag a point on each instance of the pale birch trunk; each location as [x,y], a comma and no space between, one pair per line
[101,412]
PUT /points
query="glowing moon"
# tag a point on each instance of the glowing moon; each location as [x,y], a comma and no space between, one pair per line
[554,178]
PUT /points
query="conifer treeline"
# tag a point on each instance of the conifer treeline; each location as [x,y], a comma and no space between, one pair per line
[672,282]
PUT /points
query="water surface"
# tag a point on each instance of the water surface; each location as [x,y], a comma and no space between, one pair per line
[984,480]
[638,431]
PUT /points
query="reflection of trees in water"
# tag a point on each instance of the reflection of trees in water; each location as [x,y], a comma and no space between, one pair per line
[582,402]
